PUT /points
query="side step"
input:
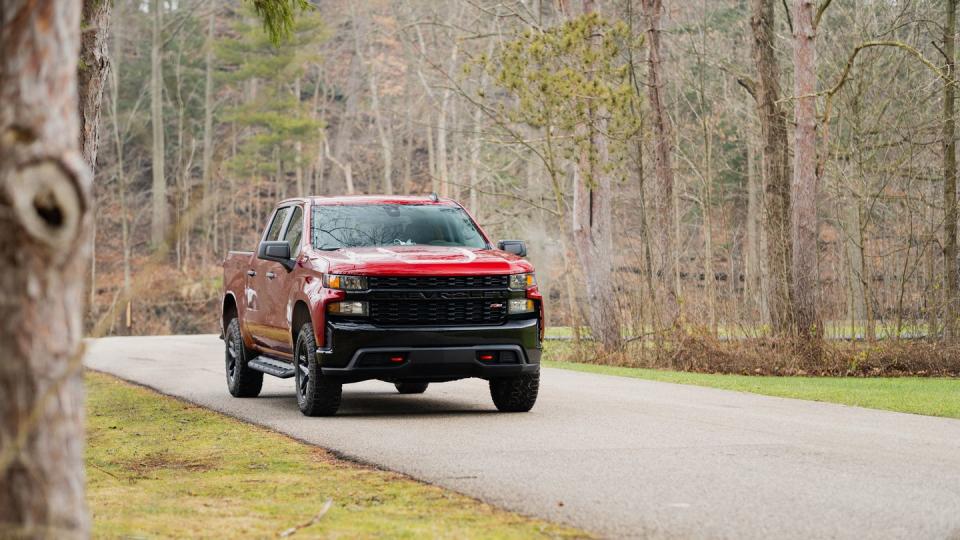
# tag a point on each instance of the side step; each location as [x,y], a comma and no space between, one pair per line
[272,366]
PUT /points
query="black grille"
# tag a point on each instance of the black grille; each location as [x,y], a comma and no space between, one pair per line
[439,282]
[438,312]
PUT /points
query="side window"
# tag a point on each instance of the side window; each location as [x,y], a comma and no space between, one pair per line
[273,233]
[295,231]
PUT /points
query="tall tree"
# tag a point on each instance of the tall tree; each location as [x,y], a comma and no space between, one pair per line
[665,214]
[160,217]
[776,164]
[45,224]
[92,74]
[951,312]
[208,115]
[803,188]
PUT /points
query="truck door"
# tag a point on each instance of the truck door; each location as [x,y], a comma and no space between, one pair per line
[257,293]
[278,285]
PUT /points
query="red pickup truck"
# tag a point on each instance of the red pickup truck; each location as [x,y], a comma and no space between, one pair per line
[407,290]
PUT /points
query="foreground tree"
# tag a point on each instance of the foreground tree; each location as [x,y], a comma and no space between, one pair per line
[45,224]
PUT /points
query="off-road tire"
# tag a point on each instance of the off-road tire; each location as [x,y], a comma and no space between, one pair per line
[316,395]
[411,387]
[241,380]
[515,394]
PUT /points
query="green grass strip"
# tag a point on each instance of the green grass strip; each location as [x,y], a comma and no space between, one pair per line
[918,395]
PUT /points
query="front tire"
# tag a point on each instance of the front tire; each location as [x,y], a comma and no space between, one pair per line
[411,387]
[515,394]
[316,395]
[241,380]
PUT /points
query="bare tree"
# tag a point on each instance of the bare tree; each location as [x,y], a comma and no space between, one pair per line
[92,74]
[665,213]
[45,225]
[952,297]
[776,165]
[803,189]
[158,227]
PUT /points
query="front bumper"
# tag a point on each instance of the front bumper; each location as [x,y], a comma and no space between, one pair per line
[355,350]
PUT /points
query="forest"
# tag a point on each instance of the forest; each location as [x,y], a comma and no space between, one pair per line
[759,187]
[723,171]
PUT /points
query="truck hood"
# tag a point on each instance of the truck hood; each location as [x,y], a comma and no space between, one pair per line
[419,260]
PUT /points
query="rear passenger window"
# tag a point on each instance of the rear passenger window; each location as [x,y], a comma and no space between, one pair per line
[277,224]
[295,231]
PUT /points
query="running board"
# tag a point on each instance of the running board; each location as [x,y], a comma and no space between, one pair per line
[272,366]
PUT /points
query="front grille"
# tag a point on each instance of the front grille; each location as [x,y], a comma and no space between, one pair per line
[439,282]
[438,312]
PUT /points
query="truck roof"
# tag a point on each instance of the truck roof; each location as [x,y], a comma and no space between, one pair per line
[373,199]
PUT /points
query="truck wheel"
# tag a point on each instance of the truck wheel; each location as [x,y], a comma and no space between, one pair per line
[241,380]
[316,395]
[411,387]
[515,394]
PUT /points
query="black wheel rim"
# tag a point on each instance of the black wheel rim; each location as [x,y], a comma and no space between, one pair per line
[233,357]
[303,371]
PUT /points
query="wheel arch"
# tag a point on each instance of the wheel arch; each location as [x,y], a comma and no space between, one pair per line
[300,316]
[228,310]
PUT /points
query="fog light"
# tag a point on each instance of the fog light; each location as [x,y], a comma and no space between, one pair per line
[520,305]
[354,309]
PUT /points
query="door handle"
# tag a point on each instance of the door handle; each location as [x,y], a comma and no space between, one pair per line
[251,273]
[271,275]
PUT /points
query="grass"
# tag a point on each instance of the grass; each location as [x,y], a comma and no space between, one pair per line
[918,395]
[161,468]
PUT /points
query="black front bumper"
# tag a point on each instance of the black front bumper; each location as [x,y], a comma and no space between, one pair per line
[360,351]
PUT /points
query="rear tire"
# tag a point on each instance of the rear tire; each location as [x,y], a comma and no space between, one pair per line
[411,387]
[316,395]
[242,381]
[515,394]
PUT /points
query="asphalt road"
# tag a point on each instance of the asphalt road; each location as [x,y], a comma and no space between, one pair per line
[617,456]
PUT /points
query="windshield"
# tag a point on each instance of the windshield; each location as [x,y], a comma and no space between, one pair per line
[371,225]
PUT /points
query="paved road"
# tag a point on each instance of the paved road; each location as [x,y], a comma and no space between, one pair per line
[621,457]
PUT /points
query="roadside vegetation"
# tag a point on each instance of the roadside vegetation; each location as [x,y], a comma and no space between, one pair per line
[929,396]
[159,467]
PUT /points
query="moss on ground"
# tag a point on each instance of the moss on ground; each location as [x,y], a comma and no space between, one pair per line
[161,468]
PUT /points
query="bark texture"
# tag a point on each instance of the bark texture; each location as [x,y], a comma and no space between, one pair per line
[593,226]
[92,74]
[160,218]
[951,300]
[803,189]
[45,197]
[776,166]
[664,212]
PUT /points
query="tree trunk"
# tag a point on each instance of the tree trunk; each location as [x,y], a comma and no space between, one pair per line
[208,123]
[593,226]
[664,218]
[92,73]
[158,225]
[951,310]
[803,189]
[776,166]
[45,225]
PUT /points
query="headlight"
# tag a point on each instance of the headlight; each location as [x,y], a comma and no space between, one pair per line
[355,309]
[519,305]
[347,283]
[522,282]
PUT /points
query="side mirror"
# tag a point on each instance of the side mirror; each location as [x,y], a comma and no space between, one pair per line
[517,247]
[277,251]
